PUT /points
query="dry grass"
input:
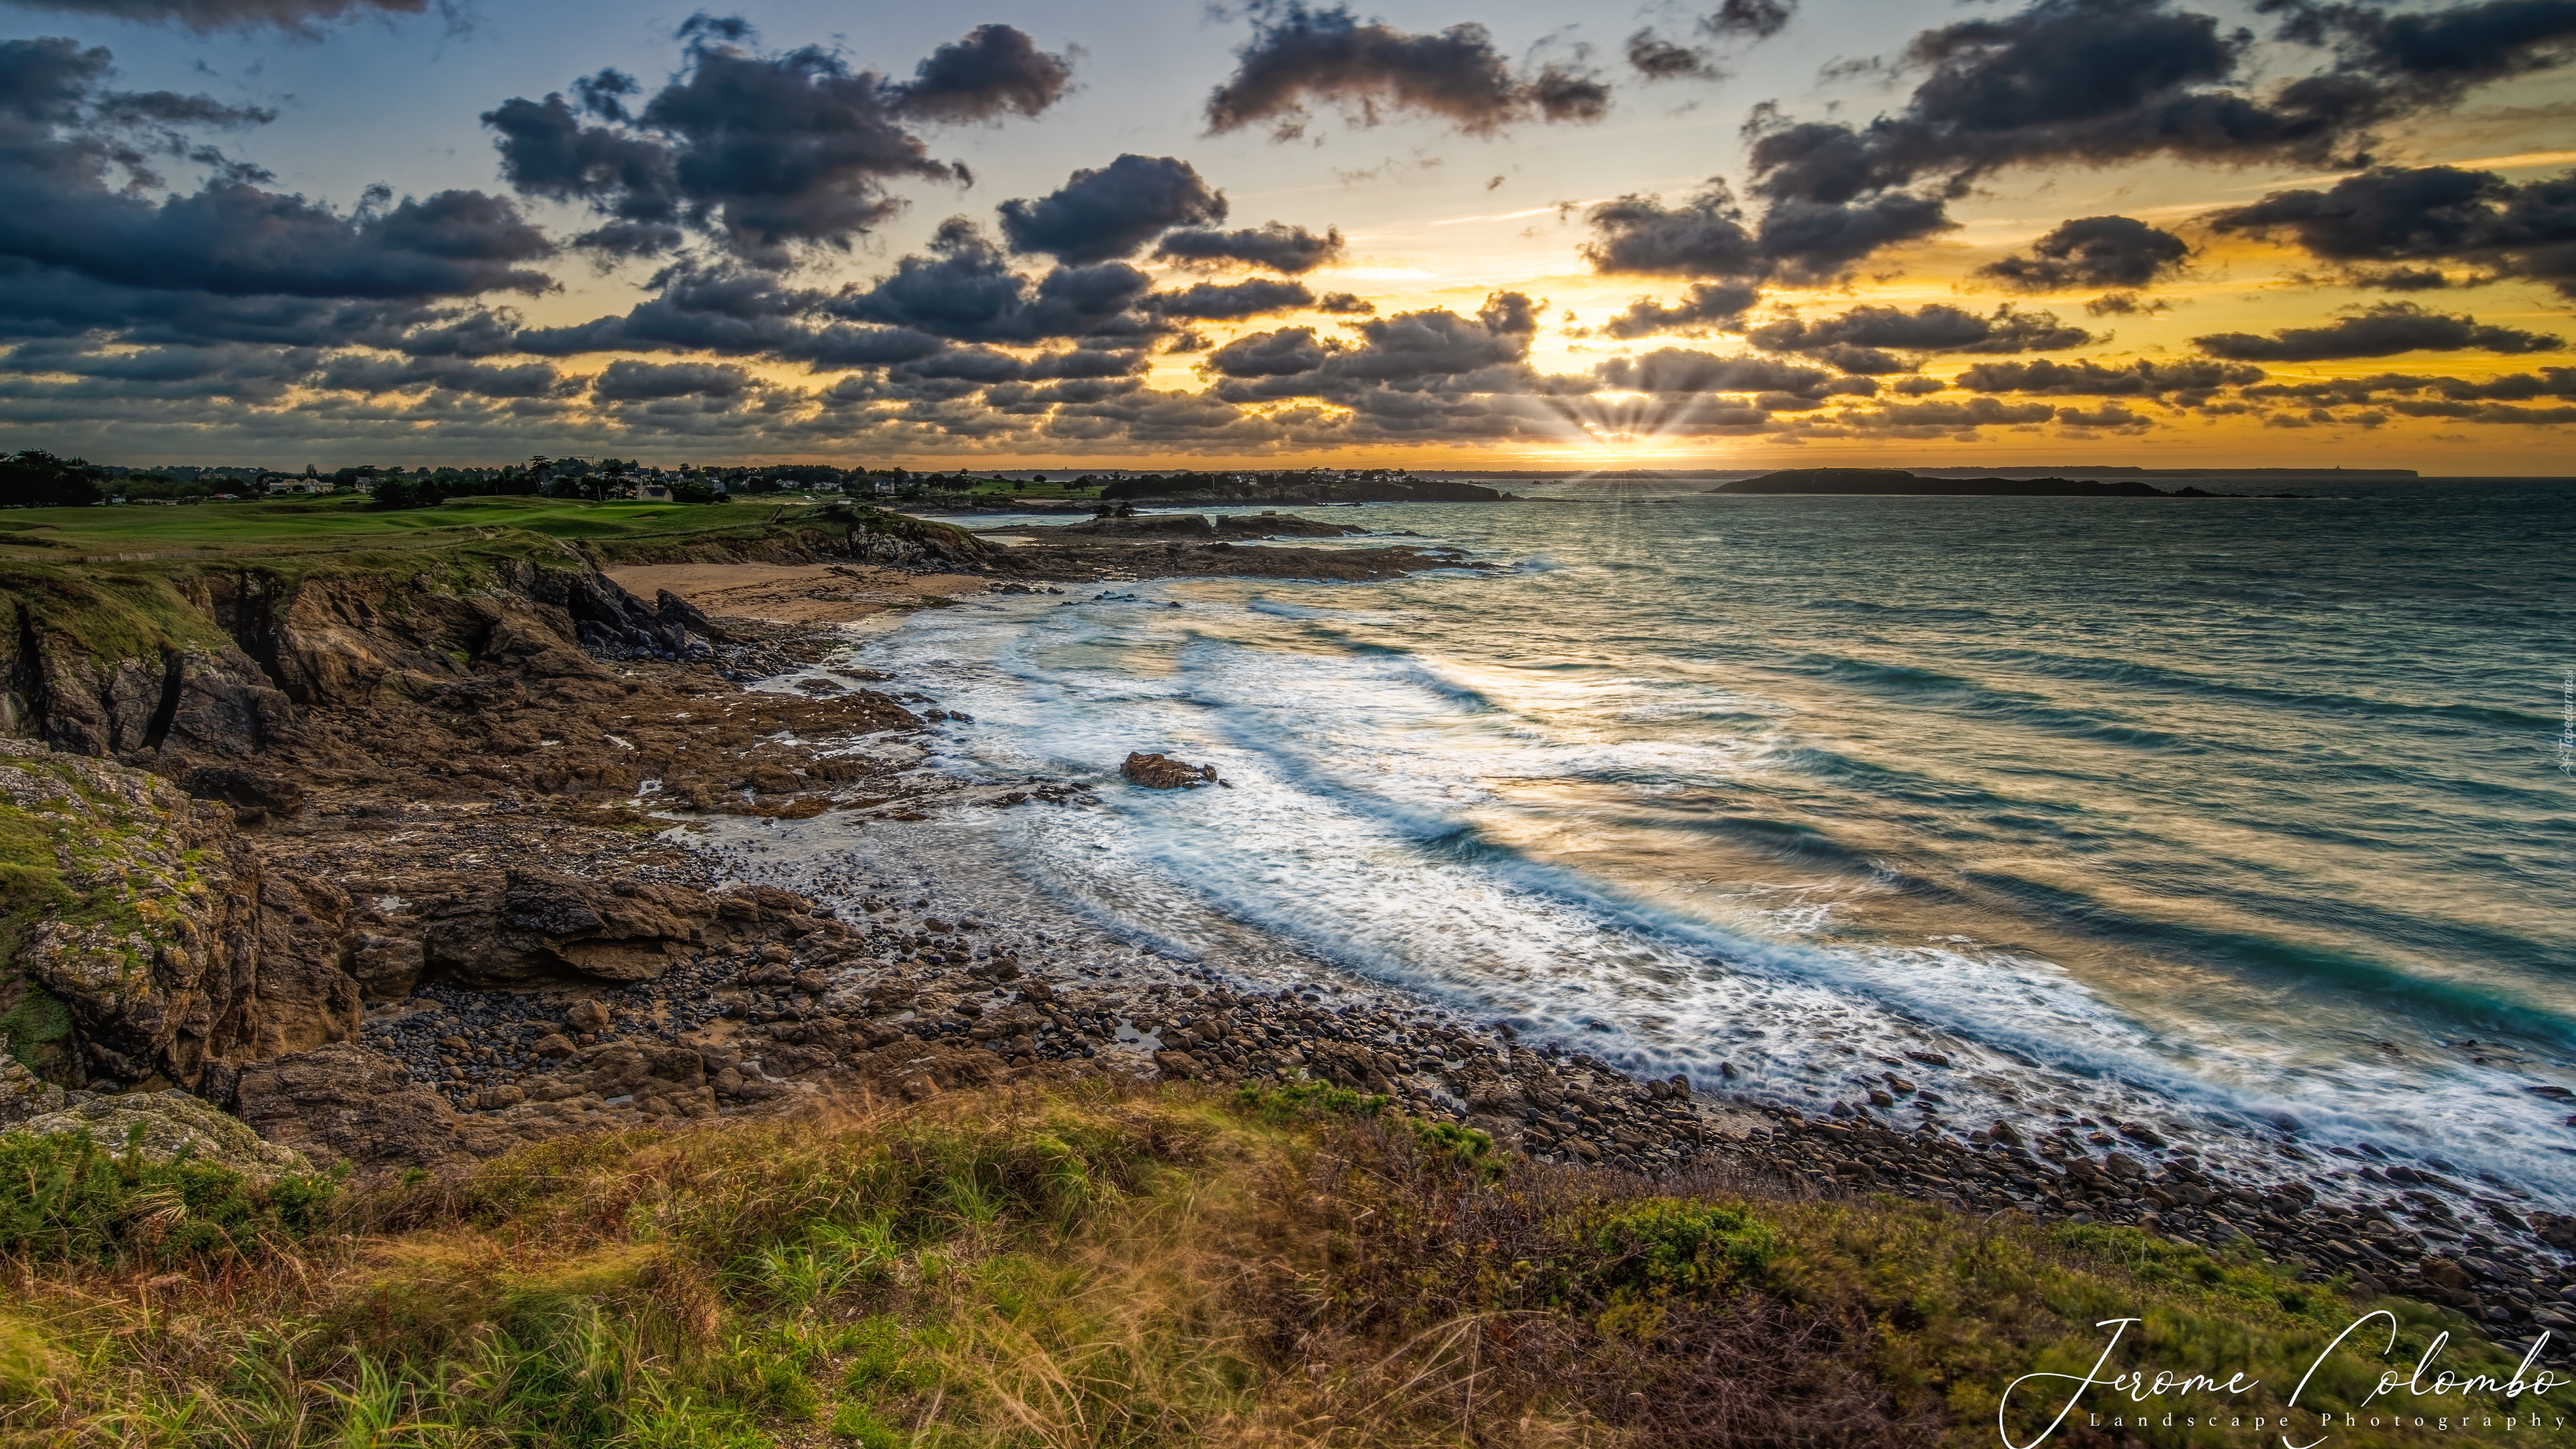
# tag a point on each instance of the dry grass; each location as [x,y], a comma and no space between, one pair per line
[1096,1265]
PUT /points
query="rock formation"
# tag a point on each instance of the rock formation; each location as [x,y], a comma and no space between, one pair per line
[1162,772]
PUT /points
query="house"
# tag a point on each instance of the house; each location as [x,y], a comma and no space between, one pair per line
[653,492]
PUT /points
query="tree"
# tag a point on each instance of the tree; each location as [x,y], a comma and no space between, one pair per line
[34,479]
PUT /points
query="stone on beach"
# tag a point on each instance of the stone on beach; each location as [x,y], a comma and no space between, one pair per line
[1162,772]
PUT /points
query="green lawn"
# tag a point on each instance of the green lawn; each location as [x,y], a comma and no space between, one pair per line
[289,525]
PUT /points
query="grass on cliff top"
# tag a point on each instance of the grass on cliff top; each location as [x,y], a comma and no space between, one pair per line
[1095,1264]
[260,525]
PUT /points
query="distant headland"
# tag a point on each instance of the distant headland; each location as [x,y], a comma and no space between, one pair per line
[1891,480]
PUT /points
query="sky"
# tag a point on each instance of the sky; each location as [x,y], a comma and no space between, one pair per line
[1451,234]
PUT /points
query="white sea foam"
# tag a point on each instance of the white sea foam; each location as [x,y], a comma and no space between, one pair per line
[1351,836]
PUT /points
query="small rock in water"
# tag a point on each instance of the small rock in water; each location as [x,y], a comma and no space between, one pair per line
[1162,772]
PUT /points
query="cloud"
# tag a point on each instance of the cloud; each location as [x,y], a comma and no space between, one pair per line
[1658,59]
[1423,354]
[1283,353]
[1711,306]
[1112,211]
[965,290]
[1346,304]
[2438,54]
[2190,379]
[1751,19]
[2090,252]
[627,380]
[993,71]
[1705,236]
[1209,302]
[1869,339]
[1281,248]
[2081,82]
[2381,331]
[1298,55]
[765,153]
[1682,370]
[353,372]
[68,222]
[299,16]
[2513,387]
[2125,304]
[2371,224]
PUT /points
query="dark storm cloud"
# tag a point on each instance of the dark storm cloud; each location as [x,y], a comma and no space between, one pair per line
[2090,252]
[205,15]
[1890,339]
[76,214]
[1209,302]
[2382,331]
[1112,211]
[1347,304]
[764,152]
[1657,59]
[1281,248]
[2190,377]
[965,290]
[2373,224]
[2440,53]
[1711,306]
[1751,19]
[1705,236]
[1299,55]
[993,71]
[2084,82]
[627,380]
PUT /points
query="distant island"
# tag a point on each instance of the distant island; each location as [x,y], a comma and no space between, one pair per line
[1991,470]
[1890,480]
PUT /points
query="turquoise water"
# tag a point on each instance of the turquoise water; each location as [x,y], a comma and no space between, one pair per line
[2252,817]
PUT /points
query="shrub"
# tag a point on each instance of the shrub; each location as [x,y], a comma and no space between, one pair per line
[65,1198]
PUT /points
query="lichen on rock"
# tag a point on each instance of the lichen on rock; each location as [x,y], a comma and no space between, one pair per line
[167,1125]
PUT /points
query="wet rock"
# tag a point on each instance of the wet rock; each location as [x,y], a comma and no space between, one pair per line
[587,1015]
[1161,772]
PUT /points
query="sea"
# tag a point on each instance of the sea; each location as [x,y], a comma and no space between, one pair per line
[2250,818]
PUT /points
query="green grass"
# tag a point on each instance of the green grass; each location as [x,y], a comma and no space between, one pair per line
[274,525]
[1090,1264]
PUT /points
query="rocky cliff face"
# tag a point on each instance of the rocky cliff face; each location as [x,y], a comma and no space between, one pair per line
[208,667]
[138,936]
[143,940]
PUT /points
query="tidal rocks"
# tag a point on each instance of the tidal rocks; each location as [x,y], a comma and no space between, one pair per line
[1161,772]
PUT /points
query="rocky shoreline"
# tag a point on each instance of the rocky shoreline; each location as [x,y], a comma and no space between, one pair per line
[420,916]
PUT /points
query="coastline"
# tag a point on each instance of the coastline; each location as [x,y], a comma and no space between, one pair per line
[755,988]
[2478,1248]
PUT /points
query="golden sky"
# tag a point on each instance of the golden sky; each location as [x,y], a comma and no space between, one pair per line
[1081,236]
